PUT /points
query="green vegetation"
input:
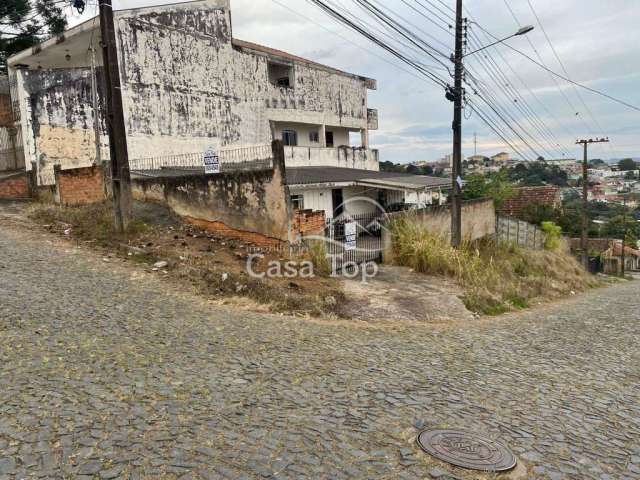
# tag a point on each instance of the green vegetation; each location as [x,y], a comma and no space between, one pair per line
[610,218]
[26,23]
[627,164]
[537,174]
[91,222]
[405,168]
[553,232]
[319,257]
[496,186]
[496,277]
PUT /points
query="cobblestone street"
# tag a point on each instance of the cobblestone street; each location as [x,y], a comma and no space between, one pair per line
[108,374]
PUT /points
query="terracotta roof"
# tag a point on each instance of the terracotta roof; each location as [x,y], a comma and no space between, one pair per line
[628,251]
[597,245]
[288,56]
[525,196]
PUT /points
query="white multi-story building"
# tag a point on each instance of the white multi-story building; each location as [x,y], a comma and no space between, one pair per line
[188,85]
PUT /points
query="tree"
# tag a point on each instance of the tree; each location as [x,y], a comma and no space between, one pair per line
[496,186]
[388,166]
[596,162]
[537,174]
[24,23]
[630,175]
[627,164]
[615,228]
[538,213]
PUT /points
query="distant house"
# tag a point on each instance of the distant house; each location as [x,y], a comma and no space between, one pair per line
[612,259]
[502,157]
[525,196]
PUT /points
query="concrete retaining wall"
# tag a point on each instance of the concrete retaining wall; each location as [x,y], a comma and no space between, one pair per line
[252,206]
[478,221]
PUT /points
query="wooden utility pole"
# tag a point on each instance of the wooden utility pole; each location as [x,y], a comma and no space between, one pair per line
[120,177]
[458,94]
[584,243]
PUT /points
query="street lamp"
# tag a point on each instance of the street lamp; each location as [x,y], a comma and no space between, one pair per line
[521,31]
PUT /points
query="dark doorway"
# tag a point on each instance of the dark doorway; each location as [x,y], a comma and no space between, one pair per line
[329,138]
[338,202]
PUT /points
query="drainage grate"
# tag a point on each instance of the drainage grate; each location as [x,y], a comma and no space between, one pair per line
[467,450]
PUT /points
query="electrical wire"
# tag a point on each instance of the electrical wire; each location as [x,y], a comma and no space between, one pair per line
[549,130]
[504,86]
[337,16]
[566,79]
[371,52]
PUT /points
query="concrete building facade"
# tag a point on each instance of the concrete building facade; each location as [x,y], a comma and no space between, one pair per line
[187,85]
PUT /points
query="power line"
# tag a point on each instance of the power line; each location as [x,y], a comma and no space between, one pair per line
[496,129]
[339,17]
[592,90]
[406,33]
[576,91]
[399,67]
[362,23]
[550,133]
[490,94]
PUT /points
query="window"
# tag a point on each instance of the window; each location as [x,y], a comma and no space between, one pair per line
[314,137]
[297,202]
[280,74]
[329,139]
[290,138]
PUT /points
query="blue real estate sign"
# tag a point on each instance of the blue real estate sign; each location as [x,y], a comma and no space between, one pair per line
[211,161]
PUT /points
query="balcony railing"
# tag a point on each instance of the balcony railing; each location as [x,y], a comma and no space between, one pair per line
[360,158]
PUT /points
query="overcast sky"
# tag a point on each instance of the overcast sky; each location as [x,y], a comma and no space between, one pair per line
[597,40]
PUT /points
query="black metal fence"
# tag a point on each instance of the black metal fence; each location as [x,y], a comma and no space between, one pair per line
[354,239]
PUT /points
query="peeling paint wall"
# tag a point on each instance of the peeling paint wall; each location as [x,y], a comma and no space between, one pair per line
[62,117]
[183,79]
[186,86]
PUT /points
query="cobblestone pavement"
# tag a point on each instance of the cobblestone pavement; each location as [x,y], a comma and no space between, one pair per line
[105,376]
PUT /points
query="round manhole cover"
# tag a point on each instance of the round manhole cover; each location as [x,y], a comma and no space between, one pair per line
[467,450]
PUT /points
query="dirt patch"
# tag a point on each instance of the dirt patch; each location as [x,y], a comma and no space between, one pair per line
[400,294]
[159,242]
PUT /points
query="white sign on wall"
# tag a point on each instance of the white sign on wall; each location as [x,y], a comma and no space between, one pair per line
[350,235]
[211,161]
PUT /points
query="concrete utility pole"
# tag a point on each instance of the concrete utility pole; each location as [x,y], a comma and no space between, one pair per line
[120,177]
[624,234]
[458,94]
[584,243]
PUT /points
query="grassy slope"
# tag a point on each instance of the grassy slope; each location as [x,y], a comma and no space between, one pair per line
[496,277]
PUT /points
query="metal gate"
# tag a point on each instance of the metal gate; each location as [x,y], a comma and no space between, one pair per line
[354,239]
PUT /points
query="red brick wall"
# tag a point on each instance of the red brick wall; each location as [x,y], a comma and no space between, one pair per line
[6,117]
[222,230]
[80,186]
[15,187]
[308,222]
